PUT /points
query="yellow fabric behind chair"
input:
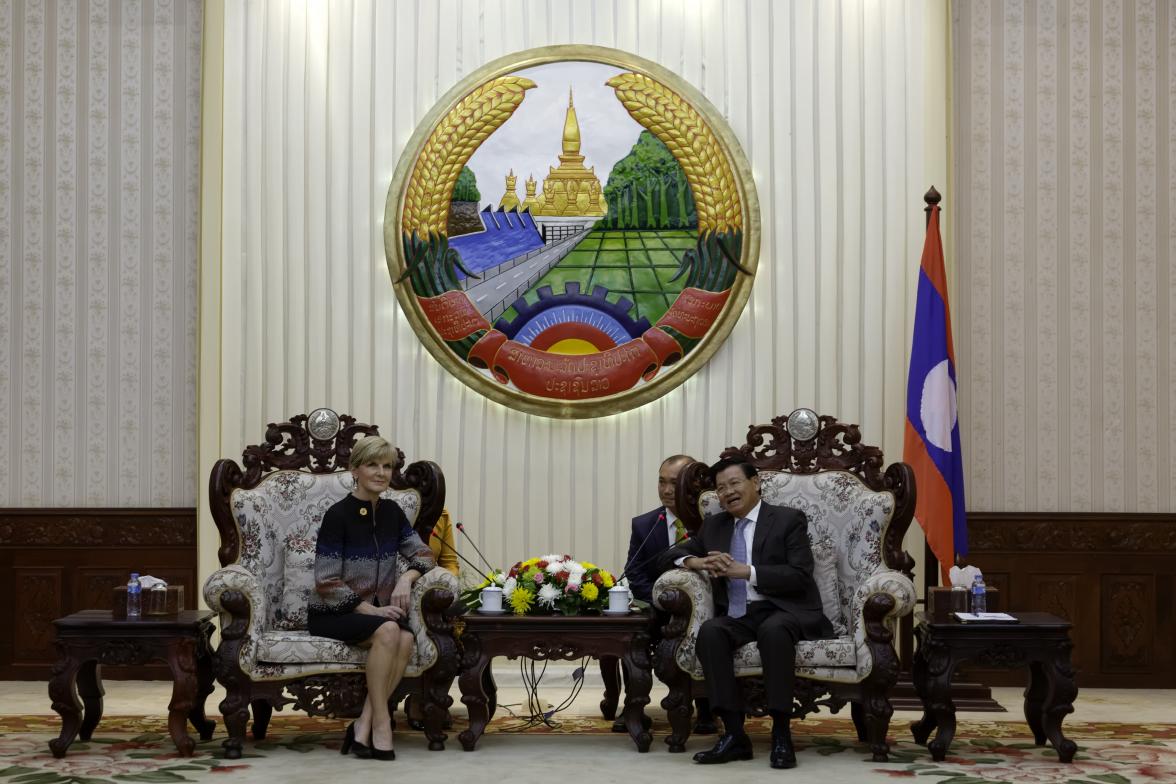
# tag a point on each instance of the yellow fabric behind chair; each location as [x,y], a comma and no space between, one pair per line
[444,554]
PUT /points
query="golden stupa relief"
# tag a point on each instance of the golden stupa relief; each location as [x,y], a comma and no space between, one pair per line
[570,189]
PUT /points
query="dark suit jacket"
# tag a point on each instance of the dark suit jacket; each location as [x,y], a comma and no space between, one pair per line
[642,564]
[782,558]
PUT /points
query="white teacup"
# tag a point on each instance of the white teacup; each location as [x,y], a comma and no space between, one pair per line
[492,599]
[618,599]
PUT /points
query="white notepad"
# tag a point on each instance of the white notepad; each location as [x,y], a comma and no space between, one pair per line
[987,617]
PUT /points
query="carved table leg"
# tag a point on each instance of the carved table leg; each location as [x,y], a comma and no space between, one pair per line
[939,690]
[610,673]
[181,660]
[63,693]
[1034,701]
[204,686]
[91,691]
[922,729]
[639,674]
[490,687]
[1059,701]
[473,694]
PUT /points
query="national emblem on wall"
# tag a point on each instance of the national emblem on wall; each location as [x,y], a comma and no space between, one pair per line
[618,270]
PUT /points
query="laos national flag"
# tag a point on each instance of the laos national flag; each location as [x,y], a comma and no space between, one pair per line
[932,441]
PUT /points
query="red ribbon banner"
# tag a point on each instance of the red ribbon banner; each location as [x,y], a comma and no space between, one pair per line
[694,311]
[453,315]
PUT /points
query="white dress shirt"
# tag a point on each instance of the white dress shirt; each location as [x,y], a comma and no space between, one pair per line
[748,537]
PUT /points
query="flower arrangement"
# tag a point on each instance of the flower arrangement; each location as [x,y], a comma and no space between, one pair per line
[548,585]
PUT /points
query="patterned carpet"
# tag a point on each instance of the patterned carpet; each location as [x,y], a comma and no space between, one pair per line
[126,749]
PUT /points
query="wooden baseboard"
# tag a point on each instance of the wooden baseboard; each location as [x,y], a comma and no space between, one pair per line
[57,561]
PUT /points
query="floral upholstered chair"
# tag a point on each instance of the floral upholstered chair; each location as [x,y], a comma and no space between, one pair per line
[857,517]
[268,516]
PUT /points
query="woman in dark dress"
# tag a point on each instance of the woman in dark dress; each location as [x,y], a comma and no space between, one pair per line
[361,598]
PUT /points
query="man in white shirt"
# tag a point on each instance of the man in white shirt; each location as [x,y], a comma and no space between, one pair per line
[651,534]
[761,569]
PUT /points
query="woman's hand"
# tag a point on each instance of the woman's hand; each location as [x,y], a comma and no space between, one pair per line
[391,611]
[402,592]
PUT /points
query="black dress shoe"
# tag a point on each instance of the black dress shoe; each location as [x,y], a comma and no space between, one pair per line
[728,748]
[619,725]
[783,755]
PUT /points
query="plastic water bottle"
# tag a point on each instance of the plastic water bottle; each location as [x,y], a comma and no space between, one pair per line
[134,598]
[979,595]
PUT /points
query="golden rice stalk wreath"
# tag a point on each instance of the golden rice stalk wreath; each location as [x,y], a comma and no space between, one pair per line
[430,263]
[712,263]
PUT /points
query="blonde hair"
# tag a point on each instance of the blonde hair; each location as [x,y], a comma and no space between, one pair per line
[373,449]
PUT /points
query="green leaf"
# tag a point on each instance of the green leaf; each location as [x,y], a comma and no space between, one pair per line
[987,743]
[42,777]
[158,776]
[16,770]
[1111,778]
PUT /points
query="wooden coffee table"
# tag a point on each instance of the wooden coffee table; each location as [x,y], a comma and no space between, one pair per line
[1039,641]
[554,637]
[88,639]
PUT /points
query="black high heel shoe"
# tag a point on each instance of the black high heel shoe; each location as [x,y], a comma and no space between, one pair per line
[351,744]
[386,755]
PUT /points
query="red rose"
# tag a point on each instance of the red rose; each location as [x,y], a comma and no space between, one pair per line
[542,564]
[596,578]
[562,576]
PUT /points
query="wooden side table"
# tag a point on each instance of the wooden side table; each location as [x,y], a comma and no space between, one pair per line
[554,637]
[88,639]
[1039,641]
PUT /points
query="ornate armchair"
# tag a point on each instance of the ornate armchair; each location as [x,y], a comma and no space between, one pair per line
[858,515]
[268,515]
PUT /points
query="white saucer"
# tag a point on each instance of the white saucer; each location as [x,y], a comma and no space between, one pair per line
[610,612]
[480,611]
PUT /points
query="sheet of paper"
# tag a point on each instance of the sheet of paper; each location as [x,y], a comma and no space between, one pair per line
[987,617]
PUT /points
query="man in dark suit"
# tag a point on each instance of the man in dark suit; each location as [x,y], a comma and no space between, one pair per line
[652,533]
[761,569]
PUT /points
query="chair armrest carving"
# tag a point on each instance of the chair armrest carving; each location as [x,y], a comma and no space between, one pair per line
[687,597]
[235,593]
[882,599]
[432,594]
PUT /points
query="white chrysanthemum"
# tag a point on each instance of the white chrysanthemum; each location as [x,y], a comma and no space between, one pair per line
[555,567]
[575,567]
[508,587]
[551,558]
[575,578]
[500,579]
[548,594]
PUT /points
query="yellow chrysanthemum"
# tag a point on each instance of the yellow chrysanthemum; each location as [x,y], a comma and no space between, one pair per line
[589,592]
[588,566]
[521,601]
[608,579]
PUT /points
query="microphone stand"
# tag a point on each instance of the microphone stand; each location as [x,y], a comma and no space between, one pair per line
[661,520]
[444,543]
[461,527]
[657,555]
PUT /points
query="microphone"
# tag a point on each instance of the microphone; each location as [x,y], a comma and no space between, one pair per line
[444,543]
[657,555]
[461,528]
[661,520]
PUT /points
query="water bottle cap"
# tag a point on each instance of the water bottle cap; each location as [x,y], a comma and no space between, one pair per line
[134,575]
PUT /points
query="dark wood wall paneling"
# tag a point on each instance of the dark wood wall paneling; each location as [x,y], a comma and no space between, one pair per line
[1112,575]
[54,562]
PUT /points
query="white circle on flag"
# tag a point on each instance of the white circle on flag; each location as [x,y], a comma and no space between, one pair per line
[937,408]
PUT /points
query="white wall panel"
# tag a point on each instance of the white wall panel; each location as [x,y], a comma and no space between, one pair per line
[319,101]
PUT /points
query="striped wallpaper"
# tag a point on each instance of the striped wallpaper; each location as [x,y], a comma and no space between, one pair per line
[311,103]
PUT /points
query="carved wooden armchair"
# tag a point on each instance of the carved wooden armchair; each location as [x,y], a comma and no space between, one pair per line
[268,516]
[857,517]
